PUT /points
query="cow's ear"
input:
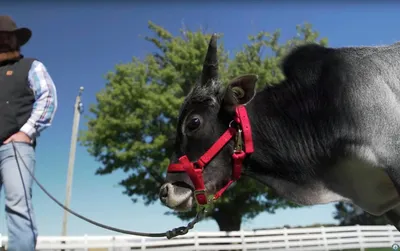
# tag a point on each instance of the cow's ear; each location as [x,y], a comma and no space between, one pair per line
[240,90]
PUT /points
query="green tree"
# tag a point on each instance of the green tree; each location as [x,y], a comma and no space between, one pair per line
[347,214]
[134,120]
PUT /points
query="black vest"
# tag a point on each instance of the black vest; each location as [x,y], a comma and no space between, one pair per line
[16,98]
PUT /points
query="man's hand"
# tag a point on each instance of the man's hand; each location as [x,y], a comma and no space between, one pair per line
[18,137]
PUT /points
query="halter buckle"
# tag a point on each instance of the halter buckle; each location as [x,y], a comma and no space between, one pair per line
[238,141]
[200,192]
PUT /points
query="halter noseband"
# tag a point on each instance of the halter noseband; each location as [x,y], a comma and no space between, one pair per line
[195,169]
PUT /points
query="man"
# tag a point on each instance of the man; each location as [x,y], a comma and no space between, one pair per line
[28,102]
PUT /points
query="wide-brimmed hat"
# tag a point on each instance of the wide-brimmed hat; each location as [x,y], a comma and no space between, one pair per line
[23,34]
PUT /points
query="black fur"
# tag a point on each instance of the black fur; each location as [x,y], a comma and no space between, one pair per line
[336,106]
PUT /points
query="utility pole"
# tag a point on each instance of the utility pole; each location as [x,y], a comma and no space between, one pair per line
[78,110]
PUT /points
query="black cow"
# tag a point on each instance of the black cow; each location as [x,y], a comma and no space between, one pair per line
[329,132]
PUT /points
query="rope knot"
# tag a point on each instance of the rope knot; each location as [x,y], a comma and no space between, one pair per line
[176,232]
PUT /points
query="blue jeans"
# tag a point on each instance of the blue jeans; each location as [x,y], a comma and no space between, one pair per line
[21,225]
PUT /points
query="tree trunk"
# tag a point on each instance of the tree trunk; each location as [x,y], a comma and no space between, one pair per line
[228,220]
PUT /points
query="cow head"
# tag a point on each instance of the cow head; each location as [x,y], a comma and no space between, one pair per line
[204,116]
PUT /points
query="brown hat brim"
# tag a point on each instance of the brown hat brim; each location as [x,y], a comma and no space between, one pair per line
[23,35]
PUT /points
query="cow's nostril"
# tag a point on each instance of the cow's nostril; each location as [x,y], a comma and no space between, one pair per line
[164,192]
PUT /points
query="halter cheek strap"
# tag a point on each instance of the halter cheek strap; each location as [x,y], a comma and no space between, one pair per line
[243,138]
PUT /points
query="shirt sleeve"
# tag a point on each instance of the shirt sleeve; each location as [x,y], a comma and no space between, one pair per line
[45,104]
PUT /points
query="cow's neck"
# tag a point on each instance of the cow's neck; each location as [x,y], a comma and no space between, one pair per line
[286,143]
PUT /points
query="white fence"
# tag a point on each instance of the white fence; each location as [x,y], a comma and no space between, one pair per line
[302,239]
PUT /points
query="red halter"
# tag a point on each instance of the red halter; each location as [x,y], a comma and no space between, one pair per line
[195,169]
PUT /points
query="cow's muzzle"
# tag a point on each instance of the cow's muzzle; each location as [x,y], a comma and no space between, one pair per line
[179,198]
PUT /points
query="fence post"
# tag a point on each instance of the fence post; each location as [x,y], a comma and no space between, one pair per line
[360,237]
[85,241]
[113,243]
[242,236]
[143,243]
[285,234]
[196,241]
[324,239]
[390,232]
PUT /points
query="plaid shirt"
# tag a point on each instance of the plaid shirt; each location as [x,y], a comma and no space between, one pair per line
[45,104]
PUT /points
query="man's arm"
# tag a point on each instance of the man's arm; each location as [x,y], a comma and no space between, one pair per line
[45,104]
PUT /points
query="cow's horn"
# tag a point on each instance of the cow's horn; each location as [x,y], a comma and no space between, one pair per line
[210,66]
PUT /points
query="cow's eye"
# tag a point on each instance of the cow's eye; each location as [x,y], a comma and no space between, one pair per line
[193,124]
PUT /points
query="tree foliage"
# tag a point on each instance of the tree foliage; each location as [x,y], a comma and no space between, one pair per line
[133,123]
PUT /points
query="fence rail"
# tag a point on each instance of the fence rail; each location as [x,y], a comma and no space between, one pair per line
[302,239]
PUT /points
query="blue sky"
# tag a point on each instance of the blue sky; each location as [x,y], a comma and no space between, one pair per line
[80,43]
